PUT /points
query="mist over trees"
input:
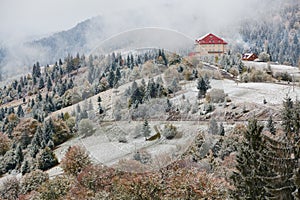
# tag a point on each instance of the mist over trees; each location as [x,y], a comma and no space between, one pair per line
[276,33]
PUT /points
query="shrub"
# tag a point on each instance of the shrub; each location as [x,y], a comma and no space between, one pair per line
[96,177]
[256,76]
[71,123]
[10,189]
[216,96]
[33,180]
[86,127]
[264,57]
[170,131]
[75,160]
[61,132]
[55,188]
[284,76]
[142,156]
[5,143]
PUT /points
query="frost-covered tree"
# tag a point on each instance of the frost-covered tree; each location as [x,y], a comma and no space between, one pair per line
[146,129]
[33,180]
[75,160]
[202,85]
[20,111]
[86,127]
[10,189]
[46,159]
[247,179]
[270,125]
[213,127]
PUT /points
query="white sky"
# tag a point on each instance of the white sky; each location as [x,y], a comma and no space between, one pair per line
[23,18]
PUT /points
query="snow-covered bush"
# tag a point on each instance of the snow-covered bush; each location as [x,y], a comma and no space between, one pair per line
[86,127]
[216,96]
[143,156]
[33,180]
[170,131]
[75,160]
[5,143]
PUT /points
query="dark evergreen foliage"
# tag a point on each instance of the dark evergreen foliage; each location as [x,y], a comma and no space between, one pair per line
[247,180]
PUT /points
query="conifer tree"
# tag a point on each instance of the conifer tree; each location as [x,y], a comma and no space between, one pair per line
[20,111]
[100,109]
[19,155]
[46,159]
[25,168]
[41,83]
[287,115]
[270,126]
[203,85]
[146,129]
[221,129]
[248,184]
[111,79]
[49,84]
[213,127]
[99,99]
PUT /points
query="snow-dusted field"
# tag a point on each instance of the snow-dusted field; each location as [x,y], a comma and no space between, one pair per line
[274,67]
[105,150]
[273,93]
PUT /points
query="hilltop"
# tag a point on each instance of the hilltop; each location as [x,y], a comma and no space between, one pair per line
[149,108]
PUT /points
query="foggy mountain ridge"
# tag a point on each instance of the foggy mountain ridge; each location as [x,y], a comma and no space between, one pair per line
[90,33]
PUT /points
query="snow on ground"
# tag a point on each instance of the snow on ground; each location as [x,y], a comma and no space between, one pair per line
[108,152]
[275,67]
[257,92]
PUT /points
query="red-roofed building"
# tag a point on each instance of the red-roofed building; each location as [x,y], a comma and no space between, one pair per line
[249,56]
[210,45]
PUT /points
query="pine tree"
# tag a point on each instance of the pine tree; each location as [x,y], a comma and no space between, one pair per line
[164,57]
[131,61]
[25,168]
[203,85]
[20,111]
[296,117]
[41,83]
[270,126]
[146,129]
[49,84]
[169,106]
[248,184]
[287,115]
[221,129]
[213,127]
[280,157]
[99,99]
[100,109]
[118,74]
[19,155]
[278,161]
[46,159]
[111,79]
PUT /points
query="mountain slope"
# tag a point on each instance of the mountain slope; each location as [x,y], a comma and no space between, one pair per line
[72,41]
[276,32]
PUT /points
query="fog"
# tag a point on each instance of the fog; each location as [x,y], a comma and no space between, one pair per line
[32,18]
[23,21]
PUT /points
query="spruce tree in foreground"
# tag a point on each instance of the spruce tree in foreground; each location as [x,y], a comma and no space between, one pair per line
[248,184]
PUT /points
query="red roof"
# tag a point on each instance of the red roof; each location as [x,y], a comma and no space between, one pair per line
[210,39]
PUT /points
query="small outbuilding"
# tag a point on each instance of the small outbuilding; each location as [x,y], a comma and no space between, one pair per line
[249,56]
